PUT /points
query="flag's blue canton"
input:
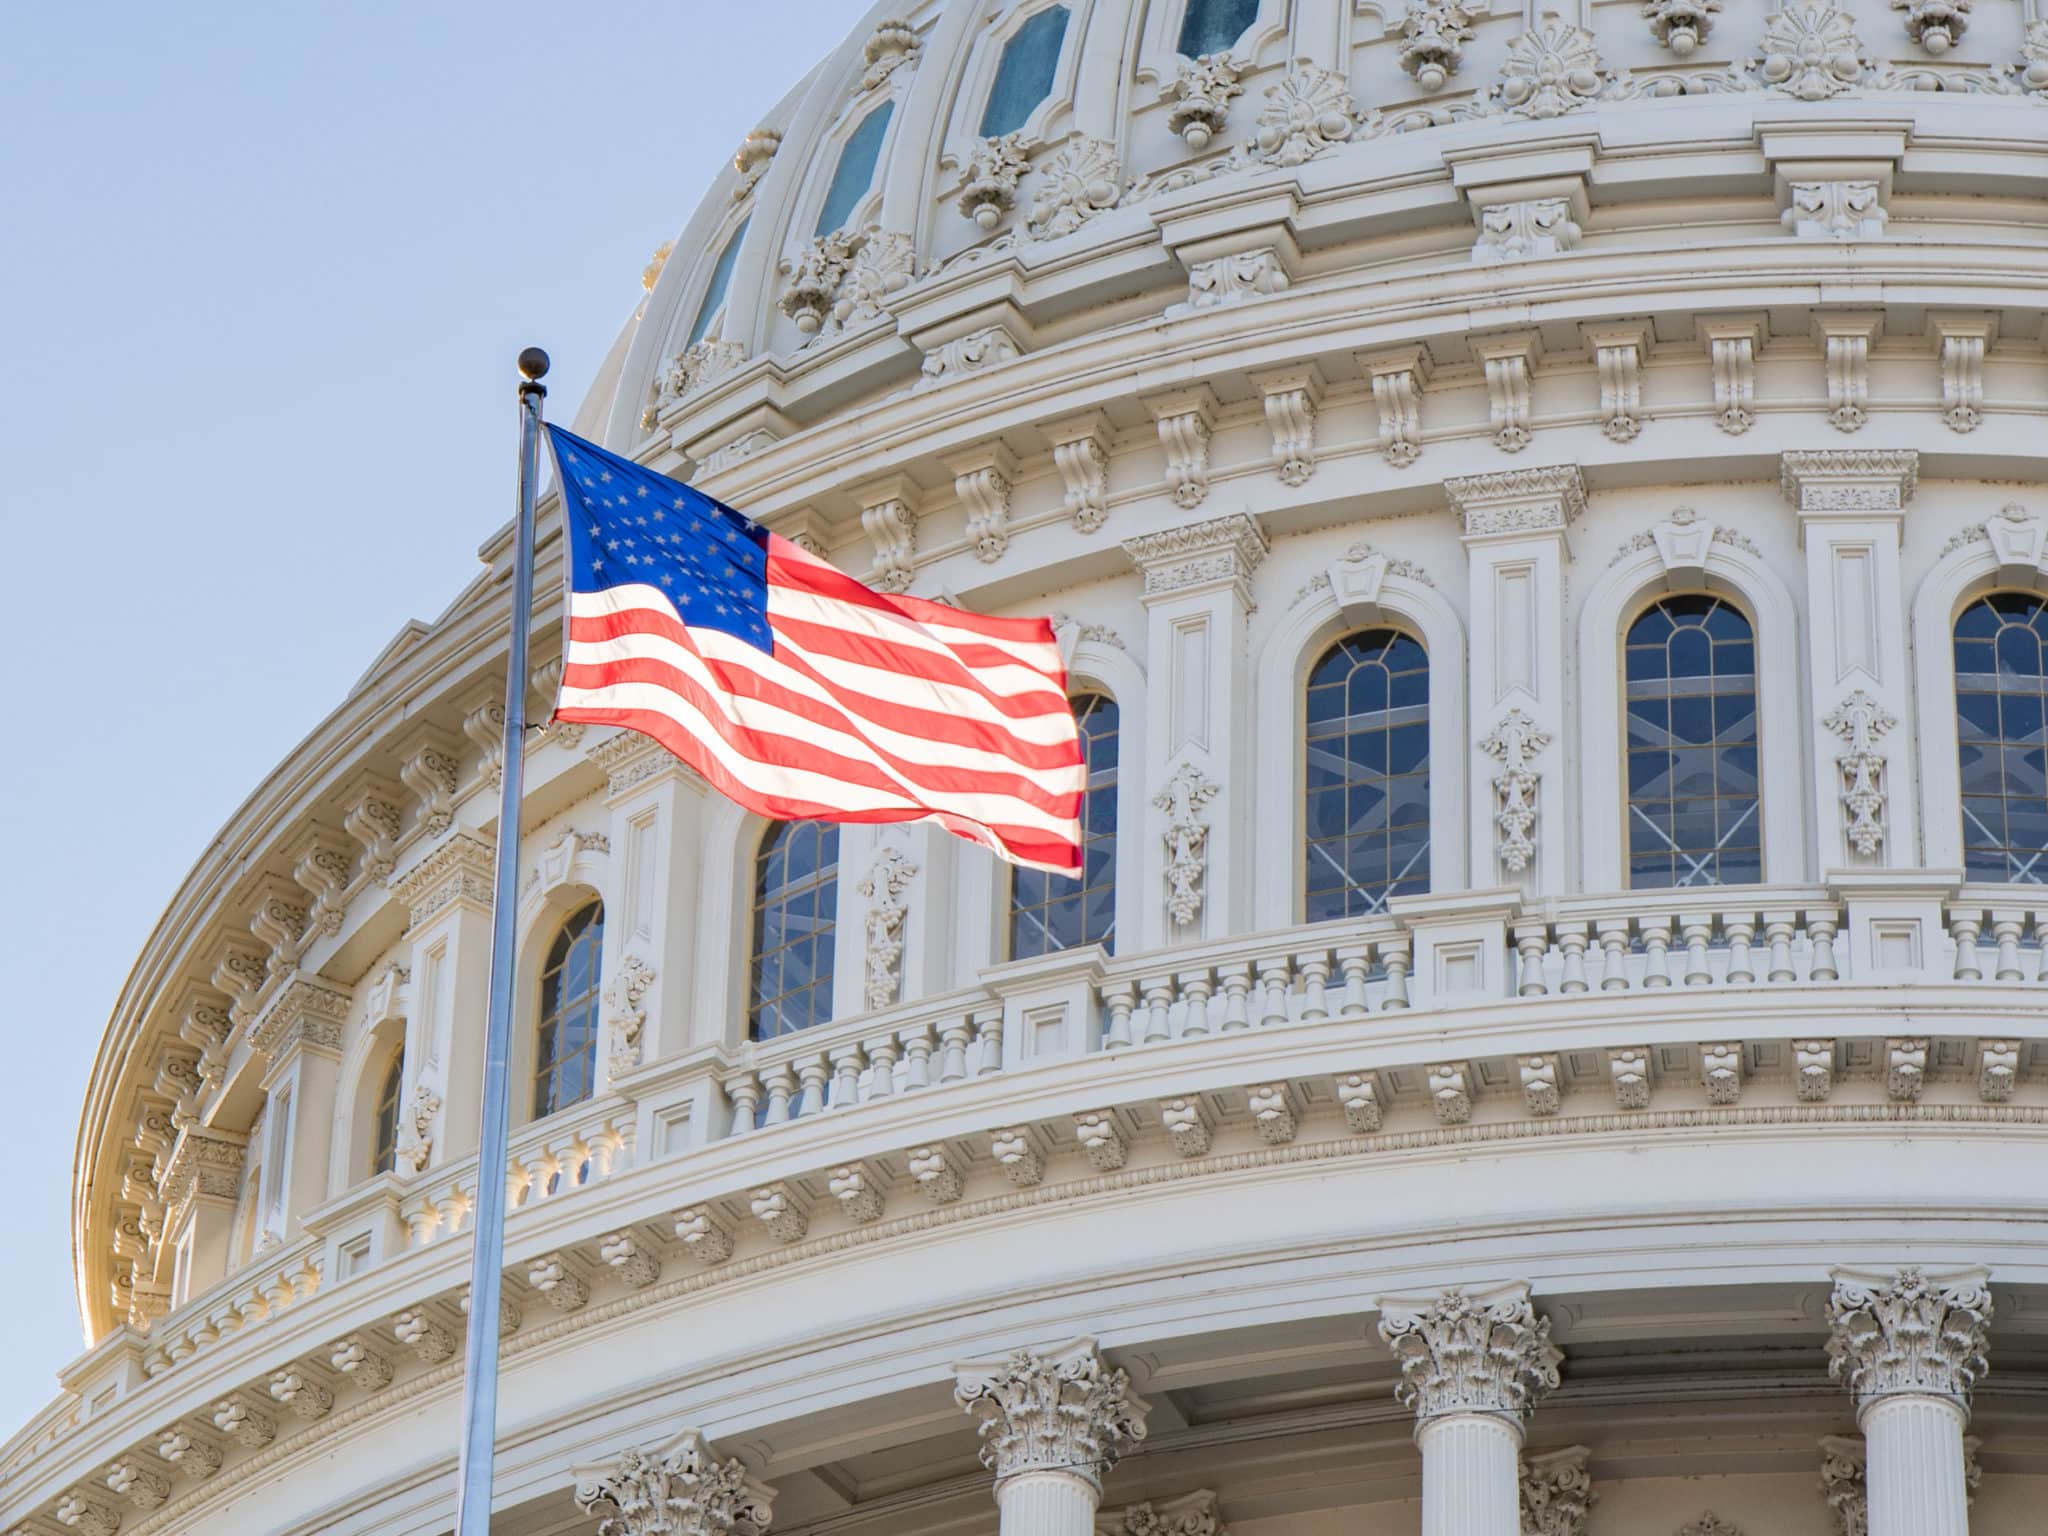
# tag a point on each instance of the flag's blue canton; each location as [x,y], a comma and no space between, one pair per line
[627,524]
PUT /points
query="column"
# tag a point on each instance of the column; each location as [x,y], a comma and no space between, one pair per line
[683,1488]
[1851,504]
[1473,1364]
[1910,1347]
[1197,848]
[1514,524]
[300,1029]
[1051,1424]
[447,899]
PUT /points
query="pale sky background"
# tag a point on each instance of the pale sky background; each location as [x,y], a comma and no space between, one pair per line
[264,269]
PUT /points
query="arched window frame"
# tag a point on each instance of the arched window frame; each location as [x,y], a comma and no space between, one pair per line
[1959,577]
[1051,118]
[810,202]
[1344,607]
[764,831]
[529,1084]
[1617,597]
[566,874]
[388,1098]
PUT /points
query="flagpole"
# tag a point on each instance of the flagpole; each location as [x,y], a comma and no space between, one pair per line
[486,1270]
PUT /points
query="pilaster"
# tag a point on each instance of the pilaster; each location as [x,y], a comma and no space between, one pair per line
[1851,505]
[447,897]
[299,1029]
[1196,858]
[1515,524]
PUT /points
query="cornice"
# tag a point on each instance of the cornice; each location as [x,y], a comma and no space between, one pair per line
[1219,551]
[302,1011]
[1849,481]
[459,870]
[1539,499]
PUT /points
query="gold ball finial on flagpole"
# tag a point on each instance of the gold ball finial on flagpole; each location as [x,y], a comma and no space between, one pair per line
[533,365]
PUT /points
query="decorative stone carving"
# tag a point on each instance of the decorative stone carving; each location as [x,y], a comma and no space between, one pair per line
[882,266]
[1811,51]
[1835,210]
[1515,501]
[1509,366]
[752,157]
[1517,231]
[704,1237]
[1936,25]
[892,45]
[138,1483]
[1721,1070]
[1843,1484]
[1202,93]
[1017,1155]
[626,1012]
[888,877]
[1080,452]
[87,1513]
[1708,1524]
[1450,1091]
[561,1287]
[651,273]
[1514,743]
[1478,1351]
[1680,25]
[281,924]
[889,518]
[1079,181]
[1101,1140]
[1307,112]
[777,1208]
[362,1365]
[1065,1410]
[423,1335]
[416,1134]
[2033,65]
[1226,280]
[1998,1069]
[242,1424]
[683,1489]
[1192,1514]
[933,1170]
[1732,349]
[1184,425]
[988,188]
[1909,1333]
[982,483]
[1183,797]
[1861,722]
[1618,358]
[854,1188]
[1186,1124]
[1849,479]
[719,459]
[1271,1106]
[1905,1067]
[1962,371]
[1847,341]
[815,279]
[296,1389]
[972,353]
[1550,70]
[1557,1492]
[1433,38]
[697,365]
[303,1011]
[432,774]
[1292,401]
[1540,1087]
[1398,379]
[1358,1096]
[1197,554]
[322,872]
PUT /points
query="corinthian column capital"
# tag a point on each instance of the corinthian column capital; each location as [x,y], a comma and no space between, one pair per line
[1909,1334]
[1065,1410]
[1481,1351]
[682,1489]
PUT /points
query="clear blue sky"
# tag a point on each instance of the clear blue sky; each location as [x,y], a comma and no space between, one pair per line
[263,272]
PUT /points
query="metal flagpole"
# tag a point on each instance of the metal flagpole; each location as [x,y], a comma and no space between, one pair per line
[480,1357]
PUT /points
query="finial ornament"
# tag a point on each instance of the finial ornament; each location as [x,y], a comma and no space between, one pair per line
[1471,1351]
[1909,1333]
[1066,1410]
[533,365]
[683,1489]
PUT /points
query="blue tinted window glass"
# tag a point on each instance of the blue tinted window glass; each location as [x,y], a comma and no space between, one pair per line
[565,1046]
[1694,808]
[856,169]
[1024,77]
[721,279]
[1212,26]
[1367,779]
[2002,729]
[796,883]
[1054,912]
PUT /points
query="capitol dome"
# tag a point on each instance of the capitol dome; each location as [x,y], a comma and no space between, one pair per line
[1549,1036]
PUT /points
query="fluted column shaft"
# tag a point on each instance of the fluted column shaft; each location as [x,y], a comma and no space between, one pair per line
[1469,1475]
[1046,1504]
[1914,1478]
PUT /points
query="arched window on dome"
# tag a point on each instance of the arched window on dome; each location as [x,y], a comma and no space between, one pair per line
[1367,804]
[1053,912]
[721,279]
[796,898]
[2001,656]
[855,172]
[1025,72]
[1694,798]
[565,1047]
[384,1127]
[1214,26]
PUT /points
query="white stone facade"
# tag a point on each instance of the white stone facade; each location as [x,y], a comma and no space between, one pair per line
[1526,1201]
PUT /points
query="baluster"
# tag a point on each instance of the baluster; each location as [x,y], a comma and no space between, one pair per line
[1274,977]
[1571,939]
[1740,927]
[1195,987]
[1315,975]
[1699,929]
[1237,986]
[917,1056]
[1614,954]
[744,1090]
[1158,1000]
[1656,947]
[953,1051]
[1119,998]
[1355,961]
[1964,925]
[988,1039]
[812,1073]
[1778,930]
[781,1088]
[846,1076]
[881,1068]
[2006,927]
[1532,944]
[1394,955]
[1820,933]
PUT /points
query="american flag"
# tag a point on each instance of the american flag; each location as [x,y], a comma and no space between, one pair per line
[797,691]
